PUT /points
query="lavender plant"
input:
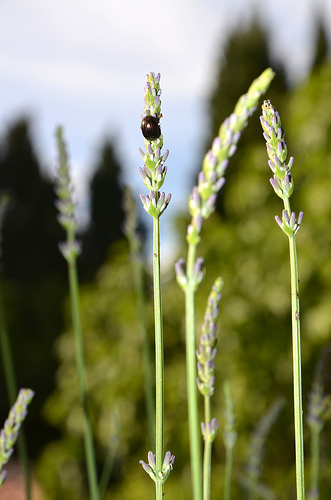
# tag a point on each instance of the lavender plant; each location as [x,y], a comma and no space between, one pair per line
[11,429]
[153,175]
[189,276]
[206,378]
[70,251]
[229,437]
[252,482]
[283,186]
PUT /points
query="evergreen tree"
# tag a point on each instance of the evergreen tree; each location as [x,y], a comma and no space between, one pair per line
[321,46]
[31,231]
[107,214]
[33,271]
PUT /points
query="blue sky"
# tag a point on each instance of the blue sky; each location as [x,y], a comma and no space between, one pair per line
[82,64]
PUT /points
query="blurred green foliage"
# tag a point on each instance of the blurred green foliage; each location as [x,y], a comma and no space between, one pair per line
[246,247]
[242,243]
[33,272]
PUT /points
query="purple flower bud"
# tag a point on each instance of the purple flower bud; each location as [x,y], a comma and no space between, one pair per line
[292,220]
[277,188]
[142,154]
[201,178]
[198,221]
[290,163]
[221,167]
[165,156]
[210,160]
[157,154]
[232,150]
[279,222]
[151,460]
[198,265]
[285,216]
[281,150]
[147,469]
[180,270]
[209,206]
[280,134]
[287,181]
[271,151]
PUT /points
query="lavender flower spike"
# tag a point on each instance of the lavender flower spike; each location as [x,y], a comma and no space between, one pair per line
[282,181]
[154,171]
[65,204]
[207,352]
[223,147]
[10,431]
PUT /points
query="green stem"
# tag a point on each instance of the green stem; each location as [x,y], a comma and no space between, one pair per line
[191,370]
[207,453]
[228,472]
[88,436]
[229,438]
[314,464]
[12,390]
[107,468]
[159,363]
[297,379]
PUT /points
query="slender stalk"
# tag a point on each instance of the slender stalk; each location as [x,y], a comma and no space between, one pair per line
[159,362]
[70,250]
[201,205]
[191,375]
[229,437]
[155,203]
[88,435]
[228,473]
[106,471]
[297,378]
[207,454]
[206,354]
[314,464]
[283,186]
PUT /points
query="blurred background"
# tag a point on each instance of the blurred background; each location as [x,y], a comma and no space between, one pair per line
[84,66]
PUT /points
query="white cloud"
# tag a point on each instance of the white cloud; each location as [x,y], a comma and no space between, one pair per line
[83,64]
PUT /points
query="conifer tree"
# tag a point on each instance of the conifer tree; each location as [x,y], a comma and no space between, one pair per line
[107,214]
[321,45]
[33,274]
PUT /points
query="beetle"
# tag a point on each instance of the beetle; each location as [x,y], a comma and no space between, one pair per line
[150,127]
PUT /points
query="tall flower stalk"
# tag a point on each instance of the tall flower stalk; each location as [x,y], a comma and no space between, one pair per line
[189,276]
[283,186]
[256,453]
[206,378]
[70,250]
[229,438]
[153,175]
